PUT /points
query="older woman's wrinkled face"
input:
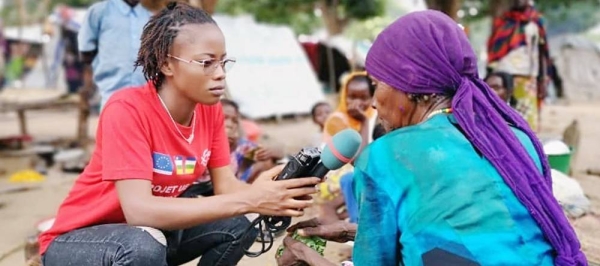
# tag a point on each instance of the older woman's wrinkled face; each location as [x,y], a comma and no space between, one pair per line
[393,106]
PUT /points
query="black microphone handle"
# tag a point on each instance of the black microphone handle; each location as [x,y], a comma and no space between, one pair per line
[320,171]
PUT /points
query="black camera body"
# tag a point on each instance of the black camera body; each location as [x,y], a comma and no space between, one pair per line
[307,163]
[304,164]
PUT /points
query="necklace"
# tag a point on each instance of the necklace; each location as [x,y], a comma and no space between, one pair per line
[191,137]
[439,111]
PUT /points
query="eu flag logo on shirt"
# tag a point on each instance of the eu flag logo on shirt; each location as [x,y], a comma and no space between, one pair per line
[162,164]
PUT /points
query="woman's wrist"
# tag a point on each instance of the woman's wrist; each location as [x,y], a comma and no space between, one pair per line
[351,232]
[242,202]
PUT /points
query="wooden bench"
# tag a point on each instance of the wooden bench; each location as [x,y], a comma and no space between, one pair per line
[23,100]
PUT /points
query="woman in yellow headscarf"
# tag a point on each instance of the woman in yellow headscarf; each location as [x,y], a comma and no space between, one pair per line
[354,110]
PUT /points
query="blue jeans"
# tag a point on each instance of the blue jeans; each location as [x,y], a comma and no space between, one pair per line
[347,188]
[218,243]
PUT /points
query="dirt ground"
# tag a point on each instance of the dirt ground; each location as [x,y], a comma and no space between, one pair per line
[19,211]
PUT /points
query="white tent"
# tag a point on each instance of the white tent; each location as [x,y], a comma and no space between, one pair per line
[577,60]
[272,76]
[31,34]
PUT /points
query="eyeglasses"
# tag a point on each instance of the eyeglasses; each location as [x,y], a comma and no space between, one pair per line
[209,65]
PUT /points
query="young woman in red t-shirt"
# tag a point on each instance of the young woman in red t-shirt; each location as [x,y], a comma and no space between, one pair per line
[152,143]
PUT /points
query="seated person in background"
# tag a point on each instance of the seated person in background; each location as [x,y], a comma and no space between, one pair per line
[503,85]
[320,112]
[251,131]
[248,159]
[354,109]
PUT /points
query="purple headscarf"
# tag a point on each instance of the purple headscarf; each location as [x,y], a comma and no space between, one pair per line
[427,52]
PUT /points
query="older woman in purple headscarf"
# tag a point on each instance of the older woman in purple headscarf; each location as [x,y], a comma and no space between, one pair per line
[460,179]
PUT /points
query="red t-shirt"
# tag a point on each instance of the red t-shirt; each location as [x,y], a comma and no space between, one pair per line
[136,139]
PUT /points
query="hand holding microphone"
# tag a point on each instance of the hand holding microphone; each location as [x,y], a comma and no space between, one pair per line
[299,176]
[279,200]
[312,162]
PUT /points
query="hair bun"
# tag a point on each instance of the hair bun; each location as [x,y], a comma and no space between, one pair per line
[171,5]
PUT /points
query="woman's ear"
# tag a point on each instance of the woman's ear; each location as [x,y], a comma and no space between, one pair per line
[167,69]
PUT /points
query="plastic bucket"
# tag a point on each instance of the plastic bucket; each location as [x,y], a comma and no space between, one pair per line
[560,162]
[559,155]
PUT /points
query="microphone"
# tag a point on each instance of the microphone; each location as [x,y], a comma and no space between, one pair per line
[309,162]
[342,148]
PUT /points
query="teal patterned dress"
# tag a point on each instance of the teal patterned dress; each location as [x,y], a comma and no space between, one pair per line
[427,197]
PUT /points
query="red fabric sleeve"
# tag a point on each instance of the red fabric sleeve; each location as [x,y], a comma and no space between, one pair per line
[125,144]
[220,145]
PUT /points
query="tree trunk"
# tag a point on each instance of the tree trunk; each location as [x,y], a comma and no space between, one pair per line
[42,10]
[22,16]
[333,23]
[449,7]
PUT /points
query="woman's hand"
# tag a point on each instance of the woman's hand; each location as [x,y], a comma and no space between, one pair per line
[263,154]
[355,111]
[280,198]
[296,253]
[269,153]
[340,231]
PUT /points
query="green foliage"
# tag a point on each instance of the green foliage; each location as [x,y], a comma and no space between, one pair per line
[362,9]
[369,29]
[74,3]
[300,14]
[296,13]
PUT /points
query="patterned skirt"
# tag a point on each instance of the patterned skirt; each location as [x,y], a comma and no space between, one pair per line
[526,97]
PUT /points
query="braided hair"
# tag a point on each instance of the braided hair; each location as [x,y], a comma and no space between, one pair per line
[160,32]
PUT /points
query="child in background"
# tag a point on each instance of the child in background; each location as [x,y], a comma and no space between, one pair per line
[320,112]
[248,159]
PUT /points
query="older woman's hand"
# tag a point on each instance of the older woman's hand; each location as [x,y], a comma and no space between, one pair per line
[340,231]
[296,254]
